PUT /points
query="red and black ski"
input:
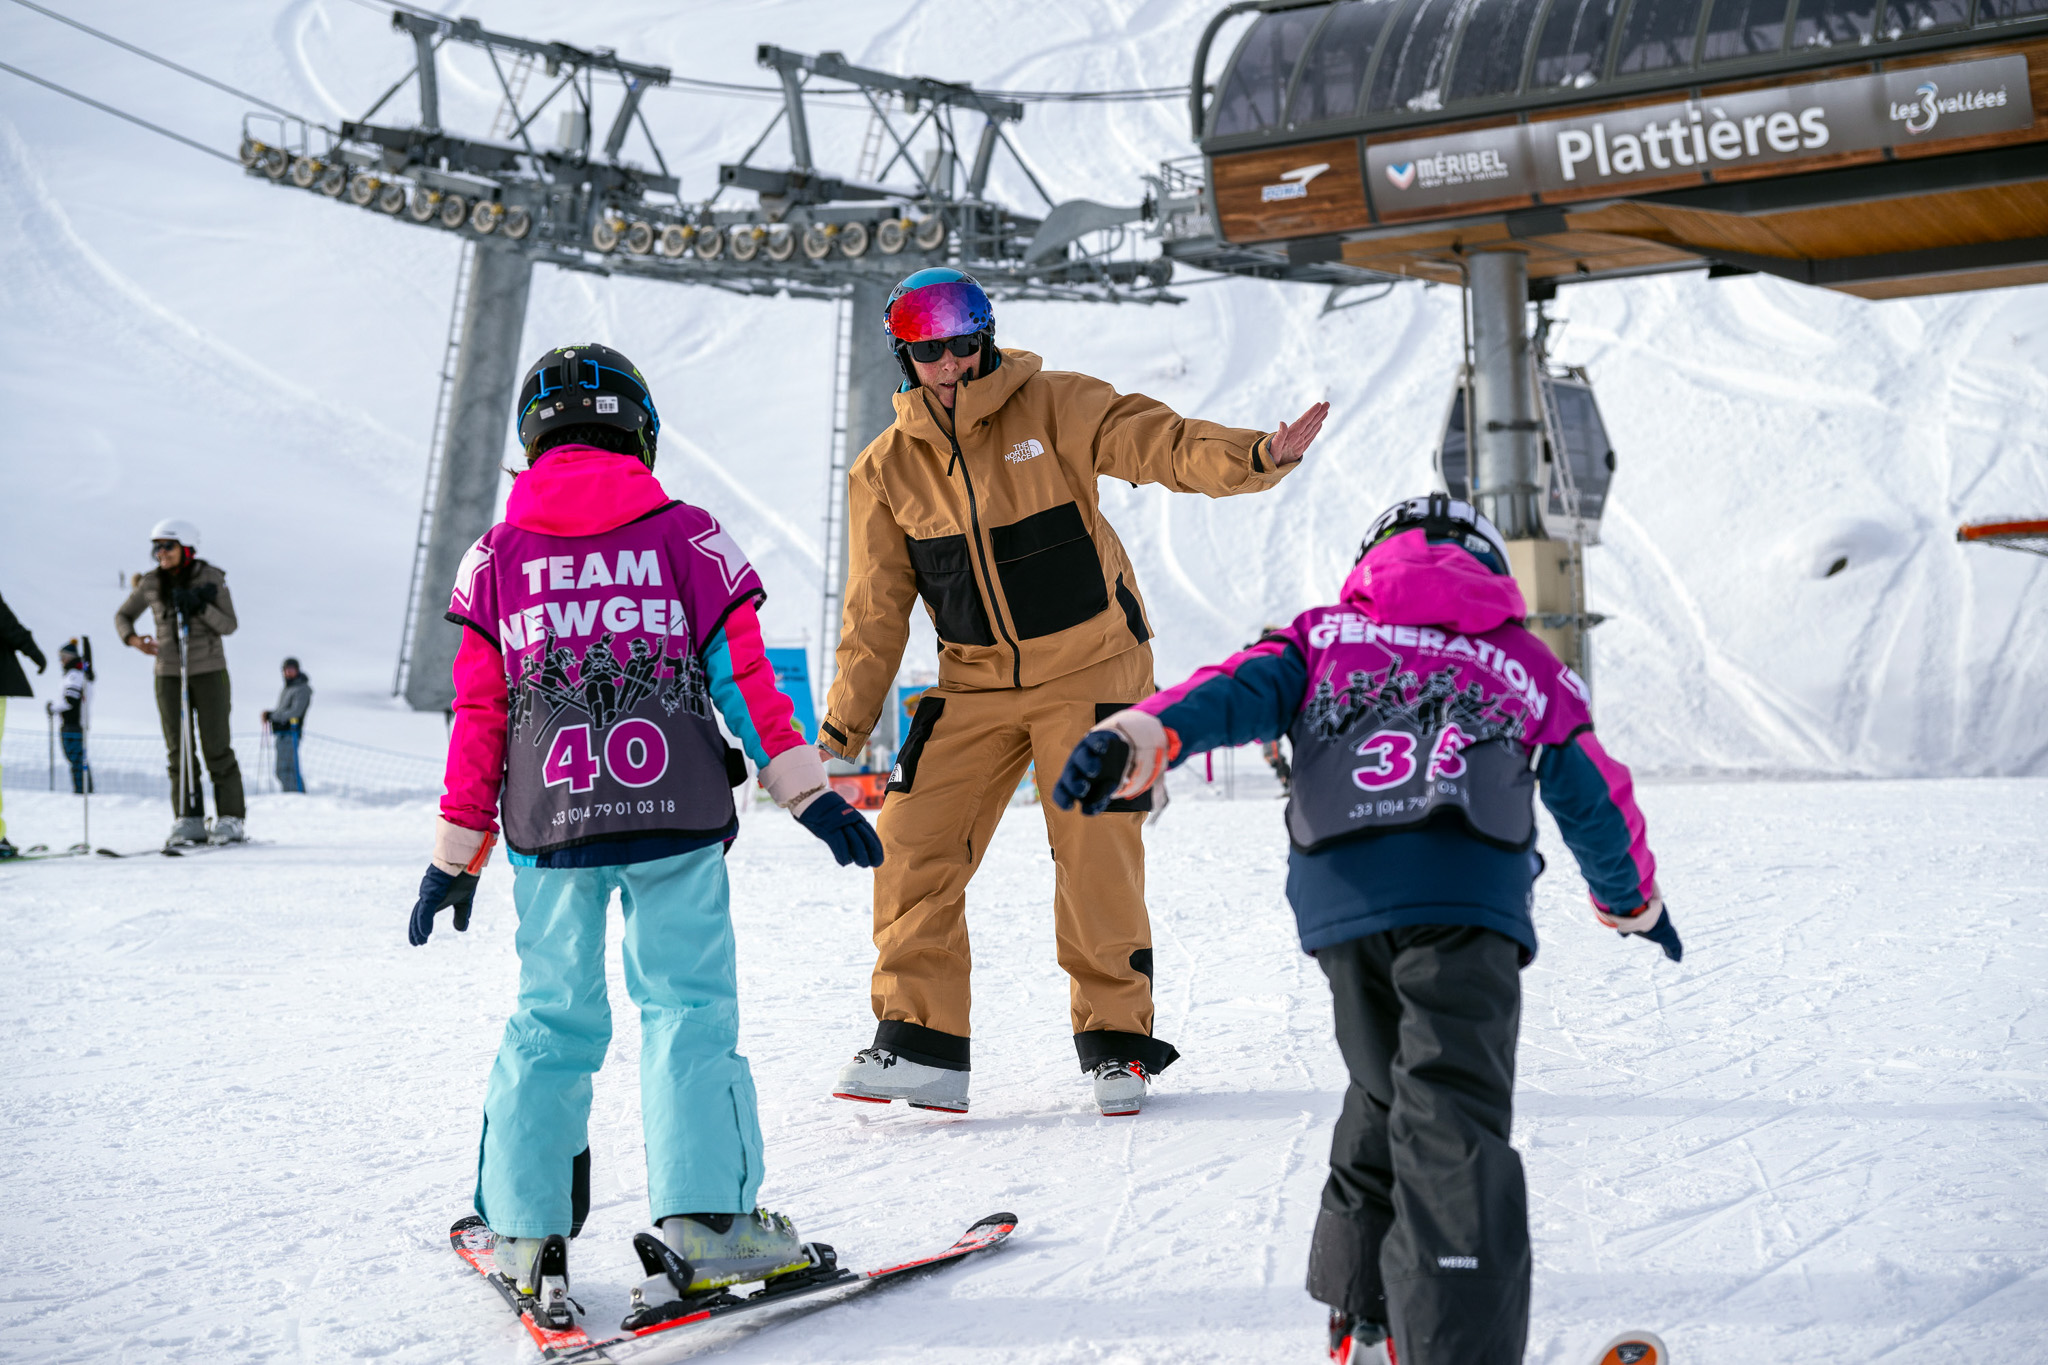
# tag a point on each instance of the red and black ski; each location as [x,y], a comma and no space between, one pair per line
[572,1346]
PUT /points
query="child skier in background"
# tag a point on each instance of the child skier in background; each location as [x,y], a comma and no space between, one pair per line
[602,622]
[75,658]
[1422,717]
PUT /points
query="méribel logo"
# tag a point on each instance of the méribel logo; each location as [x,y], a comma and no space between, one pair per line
[1403,175]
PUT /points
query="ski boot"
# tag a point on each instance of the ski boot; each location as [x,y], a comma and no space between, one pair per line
[538,1267]
[878,1075]
[698,1255]
[187,830]
[8,850]
[1635,1348]
[1359,1341]
[1120,1087]
[227,829]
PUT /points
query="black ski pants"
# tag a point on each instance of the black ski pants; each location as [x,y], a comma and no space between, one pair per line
[1425,1219]
[211,699]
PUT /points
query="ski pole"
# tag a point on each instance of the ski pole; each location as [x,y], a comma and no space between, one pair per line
[185,780]
[53,746]
[85,765]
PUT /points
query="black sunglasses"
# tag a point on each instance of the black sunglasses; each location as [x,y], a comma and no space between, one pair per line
[157,547]
[928,352]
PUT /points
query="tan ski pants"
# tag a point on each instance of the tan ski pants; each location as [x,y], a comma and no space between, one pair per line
[959,763]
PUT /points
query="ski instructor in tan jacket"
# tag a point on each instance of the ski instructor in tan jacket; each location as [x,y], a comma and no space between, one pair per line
[981,499]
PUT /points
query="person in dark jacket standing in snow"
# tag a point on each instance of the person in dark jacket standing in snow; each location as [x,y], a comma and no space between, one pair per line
[14,639]
[183,588]
[287,720]
[1423,717]
[73,715]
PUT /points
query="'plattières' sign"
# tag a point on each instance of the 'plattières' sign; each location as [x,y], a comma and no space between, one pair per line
[1691,137]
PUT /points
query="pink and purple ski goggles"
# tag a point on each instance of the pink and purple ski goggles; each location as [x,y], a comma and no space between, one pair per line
[950,305]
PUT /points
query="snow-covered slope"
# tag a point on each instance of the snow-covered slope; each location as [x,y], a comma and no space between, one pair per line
[182,340]
[240,1112]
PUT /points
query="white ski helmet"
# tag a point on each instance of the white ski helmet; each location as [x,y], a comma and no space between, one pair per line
[1442,518]
[178,529]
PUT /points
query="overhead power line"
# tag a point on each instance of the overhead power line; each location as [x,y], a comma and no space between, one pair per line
[160,61]
[1157,92]
[1149,92]
[118,113]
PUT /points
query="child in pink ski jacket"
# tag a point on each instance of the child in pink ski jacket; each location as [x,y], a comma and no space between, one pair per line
[1424,718]
[602,623]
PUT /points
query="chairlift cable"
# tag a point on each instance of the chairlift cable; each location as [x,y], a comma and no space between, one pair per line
[118,113]
[161,61]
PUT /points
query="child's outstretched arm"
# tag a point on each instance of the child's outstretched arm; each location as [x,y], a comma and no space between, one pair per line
[1253,695]
[474,776]
[764,721]
[1593,800]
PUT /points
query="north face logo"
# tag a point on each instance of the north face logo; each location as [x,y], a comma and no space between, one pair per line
[1024,450]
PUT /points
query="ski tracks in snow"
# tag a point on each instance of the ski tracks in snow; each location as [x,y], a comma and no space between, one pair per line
[1816,1142]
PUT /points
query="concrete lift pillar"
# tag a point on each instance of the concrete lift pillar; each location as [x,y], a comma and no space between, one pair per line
[466,492]
[1507,468]
[871,378]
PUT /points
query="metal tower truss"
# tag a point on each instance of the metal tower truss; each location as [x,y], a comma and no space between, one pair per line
[579,204]
[517,197]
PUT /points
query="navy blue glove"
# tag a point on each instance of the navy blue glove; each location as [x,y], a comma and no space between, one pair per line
[1665,936]
[845,830]
[438,890]
[1093,773]
[1663,933]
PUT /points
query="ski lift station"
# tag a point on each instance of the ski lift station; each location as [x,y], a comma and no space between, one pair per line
[1884,148]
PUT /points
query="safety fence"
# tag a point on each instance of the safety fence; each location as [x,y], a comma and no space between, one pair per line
[32,760]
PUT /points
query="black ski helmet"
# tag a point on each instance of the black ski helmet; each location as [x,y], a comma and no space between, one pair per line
[586,385]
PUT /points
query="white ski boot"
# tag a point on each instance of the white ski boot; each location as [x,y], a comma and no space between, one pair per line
[187,829]
[227,829]
[878,1075]
[1120,1087]
[699,1254]
[538,1267]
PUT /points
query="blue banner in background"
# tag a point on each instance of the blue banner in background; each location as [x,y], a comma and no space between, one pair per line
[793,675]
[906,707]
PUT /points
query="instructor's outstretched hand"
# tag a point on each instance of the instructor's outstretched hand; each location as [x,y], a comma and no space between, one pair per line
[1292,440]
[845,830]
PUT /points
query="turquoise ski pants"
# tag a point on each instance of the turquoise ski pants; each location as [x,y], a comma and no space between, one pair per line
[696,1094]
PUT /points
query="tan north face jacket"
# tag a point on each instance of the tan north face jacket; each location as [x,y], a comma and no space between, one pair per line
[999,530]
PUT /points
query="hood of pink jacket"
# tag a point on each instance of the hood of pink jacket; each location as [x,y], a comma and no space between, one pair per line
[581,491]
[1406,581]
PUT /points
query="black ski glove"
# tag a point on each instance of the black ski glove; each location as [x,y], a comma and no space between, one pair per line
[37,655]
[1093,773]
[845,830]
[438,890]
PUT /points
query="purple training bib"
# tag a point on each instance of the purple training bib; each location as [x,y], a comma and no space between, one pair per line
[1404,723]
[611,732]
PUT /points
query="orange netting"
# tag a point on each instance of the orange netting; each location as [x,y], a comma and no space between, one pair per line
[2031,536]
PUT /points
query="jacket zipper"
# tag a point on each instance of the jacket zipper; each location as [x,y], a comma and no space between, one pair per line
[974,524]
